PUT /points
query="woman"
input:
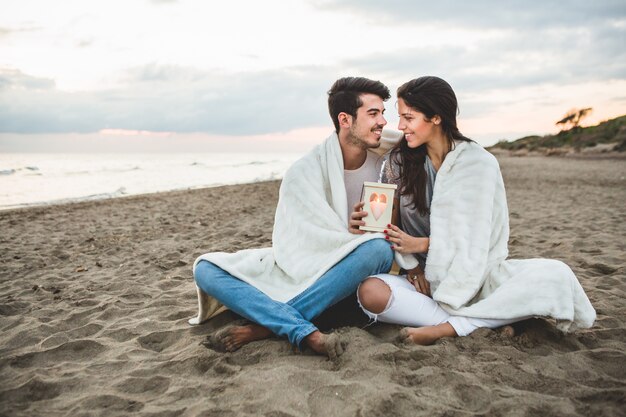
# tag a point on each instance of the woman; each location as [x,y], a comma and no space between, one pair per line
[461,222]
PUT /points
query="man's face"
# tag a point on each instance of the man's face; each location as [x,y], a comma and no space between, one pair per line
[366,129]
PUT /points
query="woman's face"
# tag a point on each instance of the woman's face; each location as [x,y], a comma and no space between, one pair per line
[417,129]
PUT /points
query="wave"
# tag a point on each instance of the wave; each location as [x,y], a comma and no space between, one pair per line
[117,193]
[12,171]
[69,180]
[102,170]
[120,192]
[242,164]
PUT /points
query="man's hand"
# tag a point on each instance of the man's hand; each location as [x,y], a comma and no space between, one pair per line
[405,243]
[356,219]
[417,277]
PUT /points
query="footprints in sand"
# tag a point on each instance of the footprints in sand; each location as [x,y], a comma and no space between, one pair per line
[159,341]
[62,337]
[33,390]
[327,400]
[153,385]
[109,404]
[603,268]
[74,351]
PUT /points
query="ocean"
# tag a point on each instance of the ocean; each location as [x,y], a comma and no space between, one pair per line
[31,179]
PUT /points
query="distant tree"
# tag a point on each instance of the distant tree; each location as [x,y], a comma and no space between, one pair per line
[573,118]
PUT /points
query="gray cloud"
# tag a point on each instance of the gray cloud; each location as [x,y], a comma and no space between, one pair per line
[167,98]
[519,14]
[545,43]
[85,43]
[15,79]
[516,59]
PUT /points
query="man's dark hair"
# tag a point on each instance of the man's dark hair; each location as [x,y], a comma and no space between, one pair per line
[343,96]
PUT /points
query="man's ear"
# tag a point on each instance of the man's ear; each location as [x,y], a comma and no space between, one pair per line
[345,120]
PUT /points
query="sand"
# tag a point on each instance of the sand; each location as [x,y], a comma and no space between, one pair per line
[95,297]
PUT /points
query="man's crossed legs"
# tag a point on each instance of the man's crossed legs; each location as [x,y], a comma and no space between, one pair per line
[293,318]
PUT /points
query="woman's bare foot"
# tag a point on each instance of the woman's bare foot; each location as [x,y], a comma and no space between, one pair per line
[427,335]
[325,344]
[233,337]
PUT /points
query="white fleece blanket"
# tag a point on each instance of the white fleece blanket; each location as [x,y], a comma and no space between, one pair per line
[467,265]
[310,232]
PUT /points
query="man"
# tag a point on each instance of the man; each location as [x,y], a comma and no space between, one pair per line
[315,262]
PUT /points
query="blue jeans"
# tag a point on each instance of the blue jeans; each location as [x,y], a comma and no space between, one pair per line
[293,319]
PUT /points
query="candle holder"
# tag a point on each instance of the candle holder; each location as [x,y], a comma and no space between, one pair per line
[378,198]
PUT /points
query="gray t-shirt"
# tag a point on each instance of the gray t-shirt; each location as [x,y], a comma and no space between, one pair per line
[354,179]
[411,221]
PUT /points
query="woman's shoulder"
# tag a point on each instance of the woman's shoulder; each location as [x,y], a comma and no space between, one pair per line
[475,151]
[469,156]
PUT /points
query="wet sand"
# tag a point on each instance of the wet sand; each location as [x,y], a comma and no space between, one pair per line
[95,297]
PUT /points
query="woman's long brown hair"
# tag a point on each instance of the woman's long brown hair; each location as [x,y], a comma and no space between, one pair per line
[432,97]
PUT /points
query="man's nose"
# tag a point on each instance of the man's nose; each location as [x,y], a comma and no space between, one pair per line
[382,121]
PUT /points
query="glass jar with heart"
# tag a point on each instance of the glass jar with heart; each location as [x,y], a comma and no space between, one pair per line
[378,198]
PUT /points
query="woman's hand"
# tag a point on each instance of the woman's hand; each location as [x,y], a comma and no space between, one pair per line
[405,243]
[417,277]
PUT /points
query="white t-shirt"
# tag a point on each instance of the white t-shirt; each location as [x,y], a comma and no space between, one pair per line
[354,179]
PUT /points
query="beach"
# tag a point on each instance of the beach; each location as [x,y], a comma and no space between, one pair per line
[95,297]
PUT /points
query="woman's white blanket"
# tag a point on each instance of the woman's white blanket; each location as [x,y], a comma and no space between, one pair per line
[310,232]
[467,265]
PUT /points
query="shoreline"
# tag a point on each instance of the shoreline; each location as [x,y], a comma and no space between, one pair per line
[89,199]
[95,297]
[499,153]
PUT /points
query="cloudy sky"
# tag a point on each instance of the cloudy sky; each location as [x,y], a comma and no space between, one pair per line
[163,75]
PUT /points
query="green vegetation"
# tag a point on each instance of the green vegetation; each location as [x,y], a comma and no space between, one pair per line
[610,131]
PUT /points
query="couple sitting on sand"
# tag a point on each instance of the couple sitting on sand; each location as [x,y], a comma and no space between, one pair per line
[451,238]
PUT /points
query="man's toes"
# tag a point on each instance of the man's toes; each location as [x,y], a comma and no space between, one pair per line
[231,347]
[334,346]
[217,340]
[508,331]
[231,343]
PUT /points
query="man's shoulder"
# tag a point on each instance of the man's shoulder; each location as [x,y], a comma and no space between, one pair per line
[310,160]
[375,159]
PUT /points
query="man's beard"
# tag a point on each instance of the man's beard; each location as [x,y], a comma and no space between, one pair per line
[355,139]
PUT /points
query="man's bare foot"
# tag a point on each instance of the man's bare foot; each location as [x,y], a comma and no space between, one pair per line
[507,331]
[325,344]
[427,335]
[232,338]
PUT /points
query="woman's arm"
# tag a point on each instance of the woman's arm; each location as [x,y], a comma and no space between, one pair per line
[418,279]
[405,243]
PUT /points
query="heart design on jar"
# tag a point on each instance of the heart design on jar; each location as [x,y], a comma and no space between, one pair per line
[378,204]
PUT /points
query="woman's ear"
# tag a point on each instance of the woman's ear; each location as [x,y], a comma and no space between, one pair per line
[436,119]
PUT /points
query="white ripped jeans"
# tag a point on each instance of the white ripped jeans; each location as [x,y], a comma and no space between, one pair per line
[408,307]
